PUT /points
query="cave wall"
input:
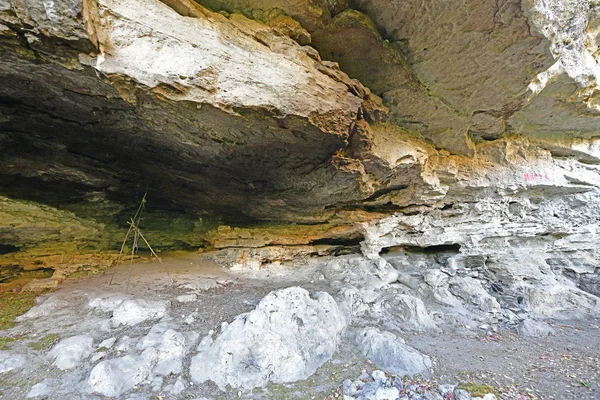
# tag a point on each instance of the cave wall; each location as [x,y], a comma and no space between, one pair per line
[274,130]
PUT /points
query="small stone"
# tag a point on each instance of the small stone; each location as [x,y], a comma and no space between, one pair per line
[190,318]
[156,383]
[386,393]
[411,387]
[490,396]
[206,341]
[178,386]
[187,298]
[398,383]
[364,377]
[108,343]
[533,328]
[348,388]
[446,389]
[124,344]
[97,356]
[379,376]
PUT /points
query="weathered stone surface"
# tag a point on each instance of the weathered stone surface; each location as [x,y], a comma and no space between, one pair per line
[518,239]
[530,327]
[286,338]
[71,352]
[390,354]
[41,390]
[199,111]
[171,348]
[463,163]
[10,361]
[132,312]
[114,377]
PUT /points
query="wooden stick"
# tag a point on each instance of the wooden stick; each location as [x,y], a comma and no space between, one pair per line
[153,252]
[120,254]
[135,240]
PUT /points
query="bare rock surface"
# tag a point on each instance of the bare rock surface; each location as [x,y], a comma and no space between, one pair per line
[154,356]
[530,327]
[391,354]
[41,390]
[286,338]
[116,376]
[431,169]
[132,312]
[9,362]
[70,352]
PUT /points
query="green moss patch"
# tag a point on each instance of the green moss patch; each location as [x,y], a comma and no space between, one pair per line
[6,340]
[477,389]
[12,305]
[45,342]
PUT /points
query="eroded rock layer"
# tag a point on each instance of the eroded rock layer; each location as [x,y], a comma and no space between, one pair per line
[455,144]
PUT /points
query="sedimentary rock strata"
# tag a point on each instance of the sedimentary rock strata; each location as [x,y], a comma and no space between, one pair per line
[453,148]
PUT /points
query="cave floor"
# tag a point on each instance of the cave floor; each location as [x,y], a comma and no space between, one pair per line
[563,366]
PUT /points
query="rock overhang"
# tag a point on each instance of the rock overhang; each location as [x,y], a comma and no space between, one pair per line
[219,116]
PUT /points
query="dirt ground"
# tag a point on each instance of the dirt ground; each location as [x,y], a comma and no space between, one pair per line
[562,366]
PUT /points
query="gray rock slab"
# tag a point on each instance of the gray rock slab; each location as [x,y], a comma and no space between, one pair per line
[10,361]
[114,377]
[388,352]
[42,389]
[71,352]
[533,328]
[133,312]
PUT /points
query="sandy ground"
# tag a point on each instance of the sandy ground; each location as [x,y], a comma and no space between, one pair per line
[563,366]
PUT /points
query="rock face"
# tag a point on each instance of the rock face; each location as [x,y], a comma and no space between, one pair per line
[286,338]
[455,146]
[224,100]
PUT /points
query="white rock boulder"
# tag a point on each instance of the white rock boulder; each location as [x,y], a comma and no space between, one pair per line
[132,312]
[71,352]
[286,338]
[389,353]
[114,377]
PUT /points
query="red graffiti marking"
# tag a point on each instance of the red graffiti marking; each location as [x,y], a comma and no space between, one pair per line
[535,177]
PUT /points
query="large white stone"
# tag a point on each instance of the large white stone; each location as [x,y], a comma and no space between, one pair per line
[114,377]
[10,361]
[132,312]
[171,347]
[42,389]
[71,352]
[286,338]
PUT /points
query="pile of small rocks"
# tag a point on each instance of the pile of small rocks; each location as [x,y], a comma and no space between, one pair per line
[380,386]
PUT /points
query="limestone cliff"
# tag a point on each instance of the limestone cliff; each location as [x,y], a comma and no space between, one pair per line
[280,129]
